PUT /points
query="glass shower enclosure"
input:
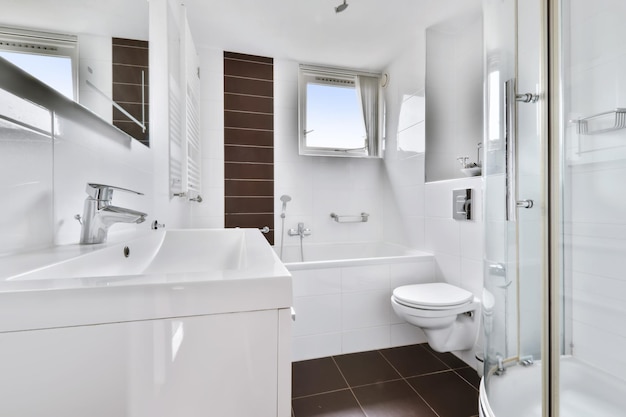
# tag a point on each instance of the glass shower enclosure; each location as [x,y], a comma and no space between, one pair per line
[555,155]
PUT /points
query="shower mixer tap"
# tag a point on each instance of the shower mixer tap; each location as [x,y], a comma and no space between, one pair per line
[300,231]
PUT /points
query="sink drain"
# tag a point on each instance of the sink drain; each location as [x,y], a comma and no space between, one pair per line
[126,251]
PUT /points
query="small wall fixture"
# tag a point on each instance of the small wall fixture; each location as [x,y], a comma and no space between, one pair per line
[341,7]
[462,204]
[350,219]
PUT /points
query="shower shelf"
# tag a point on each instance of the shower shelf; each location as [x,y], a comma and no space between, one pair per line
[620,122]
[357,218]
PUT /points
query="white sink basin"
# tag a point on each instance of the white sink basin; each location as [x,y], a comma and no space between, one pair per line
[171,251]
[167,273]
[471,172]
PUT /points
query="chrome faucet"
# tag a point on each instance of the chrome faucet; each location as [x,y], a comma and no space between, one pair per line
[99,214]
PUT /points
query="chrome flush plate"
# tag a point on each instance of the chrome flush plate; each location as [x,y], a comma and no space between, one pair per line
[462,204]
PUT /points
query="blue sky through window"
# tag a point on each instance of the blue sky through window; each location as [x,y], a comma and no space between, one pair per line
[56,71]
[334,118]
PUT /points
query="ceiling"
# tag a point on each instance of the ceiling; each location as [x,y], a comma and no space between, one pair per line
[120,18]
[369,34]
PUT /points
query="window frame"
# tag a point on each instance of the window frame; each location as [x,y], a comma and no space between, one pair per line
[373,146]
[35,42]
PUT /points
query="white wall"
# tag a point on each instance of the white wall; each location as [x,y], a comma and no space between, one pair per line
[210,213]
[46,179]
[320,185]
[403,209]
[404,147]
[48,189]
[347,309]
[164,41]
[419,214]
[458,245]
[454,106]
[26,181]
[596,166]
[317,185]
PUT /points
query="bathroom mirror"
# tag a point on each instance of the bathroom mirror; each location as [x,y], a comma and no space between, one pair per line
[454,98]
[94,25]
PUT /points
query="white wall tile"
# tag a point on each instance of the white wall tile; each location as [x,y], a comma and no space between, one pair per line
[443,236]
[316,346]
[26,170]
[472,276]
[411,273]
[605,314]
[448,268]
[286,121]
[365,309]
[600,349]
[406,334]
[296,175]
[309,282]
[361,340]
[471,240]
[365,278]
[439,199]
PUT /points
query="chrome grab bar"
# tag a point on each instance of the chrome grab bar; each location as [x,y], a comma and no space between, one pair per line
[510,114]
[510,148]
[357,218]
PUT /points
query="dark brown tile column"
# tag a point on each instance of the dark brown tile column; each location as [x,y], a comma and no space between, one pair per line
[130,59]
[249,141]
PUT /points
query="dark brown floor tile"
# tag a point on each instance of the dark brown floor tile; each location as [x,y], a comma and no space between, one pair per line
[335,404]
[391,399]
[315,376]
[365,368]
[448,358]
[470,375]
[413,360]
[447,393]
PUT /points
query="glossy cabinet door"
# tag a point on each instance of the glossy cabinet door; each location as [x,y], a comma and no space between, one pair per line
[216,365]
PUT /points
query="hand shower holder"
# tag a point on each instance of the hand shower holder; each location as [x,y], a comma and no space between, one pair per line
[358,218]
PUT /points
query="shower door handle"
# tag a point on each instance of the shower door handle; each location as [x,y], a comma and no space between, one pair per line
[510,149]
[511,98]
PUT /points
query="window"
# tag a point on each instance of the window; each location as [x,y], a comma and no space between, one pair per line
[340,112]
[50,57]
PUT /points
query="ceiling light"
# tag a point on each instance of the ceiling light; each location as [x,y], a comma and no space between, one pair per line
[341,7]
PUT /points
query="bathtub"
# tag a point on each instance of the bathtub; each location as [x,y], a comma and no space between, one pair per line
[584,391]
[342,293]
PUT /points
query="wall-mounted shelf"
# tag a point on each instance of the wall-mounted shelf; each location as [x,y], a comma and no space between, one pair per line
[357,218]
[619,115]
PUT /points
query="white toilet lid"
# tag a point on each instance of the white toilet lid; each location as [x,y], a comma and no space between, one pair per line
[436,295]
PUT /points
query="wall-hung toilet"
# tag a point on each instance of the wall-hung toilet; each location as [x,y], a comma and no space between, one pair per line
[448,315]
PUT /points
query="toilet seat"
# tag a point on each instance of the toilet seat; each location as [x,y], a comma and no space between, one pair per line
[432,296]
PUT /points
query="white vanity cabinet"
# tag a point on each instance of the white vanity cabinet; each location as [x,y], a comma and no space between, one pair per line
[194,323]
[226,365]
